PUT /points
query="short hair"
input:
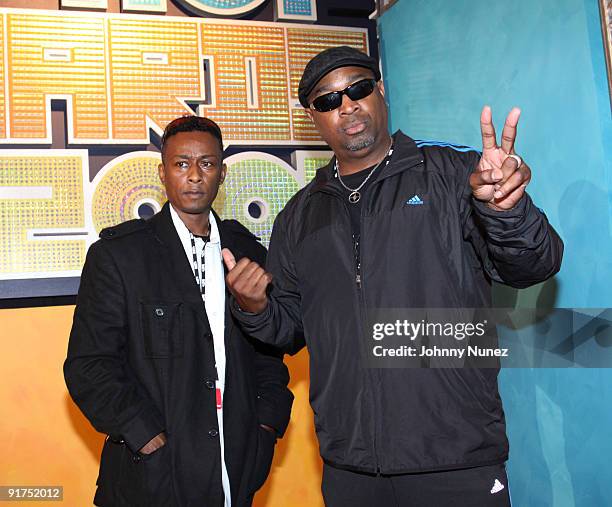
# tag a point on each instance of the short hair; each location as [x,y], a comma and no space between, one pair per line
[191,123]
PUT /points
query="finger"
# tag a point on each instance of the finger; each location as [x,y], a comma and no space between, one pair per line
[251,273]
[519,178]
[228,258]
[487,129]
[247,280]
[512,199]
[482,178]
[263,282]
[509,132]
[508,168]
[236,275]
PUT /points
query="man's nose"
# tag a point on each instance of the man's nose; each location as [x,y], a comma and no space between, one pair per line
[348,105]
[194,175]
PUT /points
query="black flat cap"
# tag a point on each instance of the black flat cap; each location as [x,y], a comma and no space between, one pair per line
[332,59]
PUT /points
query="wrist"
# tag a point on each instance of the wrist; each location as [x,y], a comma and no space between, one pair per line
[269,429]
[494,207]
[489,208]
[252,310]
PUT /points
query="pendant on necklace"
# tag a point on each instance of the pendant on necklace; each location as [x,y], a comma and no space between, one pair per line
[354,197]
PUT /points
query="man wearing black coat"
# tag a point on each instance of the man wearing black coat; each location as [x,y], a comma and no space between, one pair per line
[192,407]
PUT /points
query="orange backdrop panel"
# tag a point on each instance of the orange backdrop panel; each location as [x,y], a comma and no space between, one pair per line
[45,440]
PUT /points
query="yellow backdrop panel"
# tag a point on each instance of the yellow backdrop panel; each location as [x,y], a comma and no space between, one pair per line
[45,440]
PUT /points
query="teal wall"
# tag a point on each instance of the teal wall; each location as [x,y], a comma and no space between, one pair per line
[442,61]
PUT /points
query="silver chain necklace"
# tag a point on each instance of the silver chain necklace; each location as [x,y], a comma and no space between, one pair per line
[355,195]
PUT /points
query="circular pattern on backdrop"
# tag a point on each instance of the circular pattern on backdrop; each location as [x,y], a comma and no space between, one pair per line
[220,7]
[257,209]
[127,187]
[146,208]
[256,189]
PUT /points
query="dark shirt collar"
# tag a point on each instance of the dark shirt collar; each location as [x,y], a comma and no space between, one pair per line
[405,155]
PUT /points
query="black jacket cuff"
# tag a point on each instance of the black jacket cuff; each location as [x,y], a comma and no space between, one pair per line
[142,429]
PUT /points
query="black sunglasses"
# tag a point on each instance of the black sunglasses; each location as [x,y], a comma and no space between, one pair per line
[333,100]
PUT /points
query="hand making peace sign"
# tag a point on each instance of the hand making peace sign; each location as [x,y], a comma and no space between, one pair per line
[501,176]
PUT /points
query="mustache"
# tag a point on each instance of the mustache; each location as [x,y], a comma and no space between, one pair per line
[352,123]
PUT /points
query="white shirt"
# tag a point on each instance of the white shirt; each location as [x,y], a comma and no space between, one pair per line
[214,302]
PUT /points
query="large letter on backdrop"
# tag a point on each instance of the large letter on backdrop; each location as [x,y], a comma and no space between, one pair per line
[250,79]
[155,66]
[43,229]
[55,57]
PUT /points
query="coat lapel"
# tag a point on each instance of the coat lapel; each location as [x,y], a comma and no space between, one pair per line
[175,259]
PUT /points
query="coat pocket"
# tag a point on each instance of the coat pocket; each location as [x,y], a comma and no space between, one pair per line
[119,482]
[162,329]
[157,474]
[110,463]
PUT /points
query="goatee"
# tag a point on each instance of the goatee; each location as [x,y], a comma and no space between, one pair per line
[360,144]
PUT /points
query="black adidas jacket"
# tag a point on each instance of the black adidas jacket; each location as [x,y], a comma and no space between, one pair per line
[440,254]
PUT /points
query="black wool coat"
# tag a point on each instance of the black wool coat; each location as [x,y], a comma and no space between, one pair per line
[141,361]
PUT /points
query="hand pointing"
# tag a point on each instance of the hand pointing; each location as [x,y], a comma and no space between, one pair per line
[247,281]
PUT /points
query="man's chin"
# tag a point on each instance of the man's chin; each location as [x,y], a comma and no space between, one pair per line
[193,208]
[198,211]
[362,143]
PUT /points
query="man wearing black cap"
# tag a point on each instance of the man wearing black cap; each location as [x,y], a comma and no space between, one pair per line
[390,223]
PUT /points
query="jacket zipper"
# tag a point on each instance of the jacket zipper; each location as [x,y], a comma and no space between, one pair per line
[358,261]
[362,308]
[373,374]
[356,255]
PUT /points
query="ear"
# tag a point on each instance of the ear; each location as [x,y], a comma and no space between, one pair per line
[222,174]
[381,87]
[162,173]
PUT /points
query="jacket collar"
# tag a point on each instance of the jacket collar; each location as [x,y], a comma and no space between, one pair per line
[405,155]
[165,232]
[174,257]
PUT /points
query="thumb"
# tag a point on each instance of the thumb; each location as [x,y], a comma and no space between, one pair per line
[228,258]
